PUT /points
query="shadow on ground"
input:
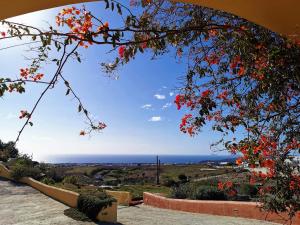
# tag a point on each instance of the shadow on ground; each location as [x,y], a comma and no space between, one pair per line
[75,214]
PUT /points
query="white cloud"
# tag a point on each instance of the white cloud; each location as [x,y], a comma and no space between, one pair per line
[171,94]
[155,119]
[164,87]
[167,105]
[160,97]
[146,106]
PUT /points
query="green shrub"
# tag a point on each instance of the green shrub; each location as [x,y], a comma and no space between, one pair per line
[24,166]
[182,178]
[208,193]
[248,189]
[43,167]
[18,172]
[181,192]
[91,205]
[53,174]
[71,180]
[94,171]
[169,182]
[48,181]
[25,160]
[7,151]
[197,192]
[21,170]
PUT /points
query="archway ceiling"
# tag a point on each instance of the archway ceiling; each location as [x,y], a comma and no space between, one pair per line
[281,16]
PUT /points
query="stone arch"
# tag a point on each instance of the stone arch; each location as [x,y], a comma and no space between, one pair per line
[280,16]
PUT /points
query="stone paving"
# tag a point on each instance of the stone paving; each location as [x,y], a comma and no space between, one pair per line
[146,215]
[22,205]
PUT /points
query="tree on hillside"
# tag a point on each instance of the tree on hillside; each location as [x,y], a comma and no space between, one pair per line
[7,151]
[241,78]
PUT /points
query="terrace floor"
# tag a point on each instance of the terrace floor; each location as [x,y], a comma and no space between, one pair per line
[23,205]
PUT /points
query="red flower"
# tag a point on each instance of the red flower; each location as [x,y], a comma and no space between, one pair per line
[212,33]
[179,101]
[229,184]
[268,163]
[3,34]
[101,126]
[179,52]
[121,51]
[244,28]
[239,161]
[223,95]
[235,61]
[58,20]
[220,185]
[24,73]
[190,130]
[24,114]
[206,93]
[106,25]
[241,71]
[232,192]
[39,76]
[212,59]
[144,45]
[252,180]
[185,118]
[292,185]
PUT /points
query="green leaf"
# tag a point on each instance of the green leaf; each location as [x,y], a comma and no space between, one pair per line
[112,6]
[107,4]
[119,9]
[30,123]
[68,92]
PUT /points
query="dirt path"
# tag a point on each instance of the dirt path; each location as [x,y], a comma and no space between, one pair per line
[22,205]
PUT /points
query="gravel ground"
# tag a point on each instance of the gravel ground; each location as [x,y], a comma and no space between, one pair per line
[22,205]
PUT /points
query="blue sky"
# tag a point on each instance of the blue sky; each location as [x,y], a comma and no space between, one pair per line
[138,107]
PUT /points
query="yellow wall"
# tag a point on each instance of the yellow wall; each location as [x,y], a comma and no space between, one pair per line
[18,7]
[109,214]
[4,172]
[67,197]
[280,16]
[123,197]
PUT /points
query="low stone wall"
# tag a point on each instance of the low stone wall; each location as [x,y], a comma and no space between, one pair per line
[122,197]
[67,197]
[109,214]
[222,208]
[4,172]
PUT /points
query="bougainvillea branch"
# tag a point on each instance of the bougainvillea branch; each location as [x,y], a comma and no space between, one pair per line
[65,56]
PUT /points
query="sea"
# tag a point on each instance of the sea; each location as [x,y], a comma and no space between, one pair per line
[136,159]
